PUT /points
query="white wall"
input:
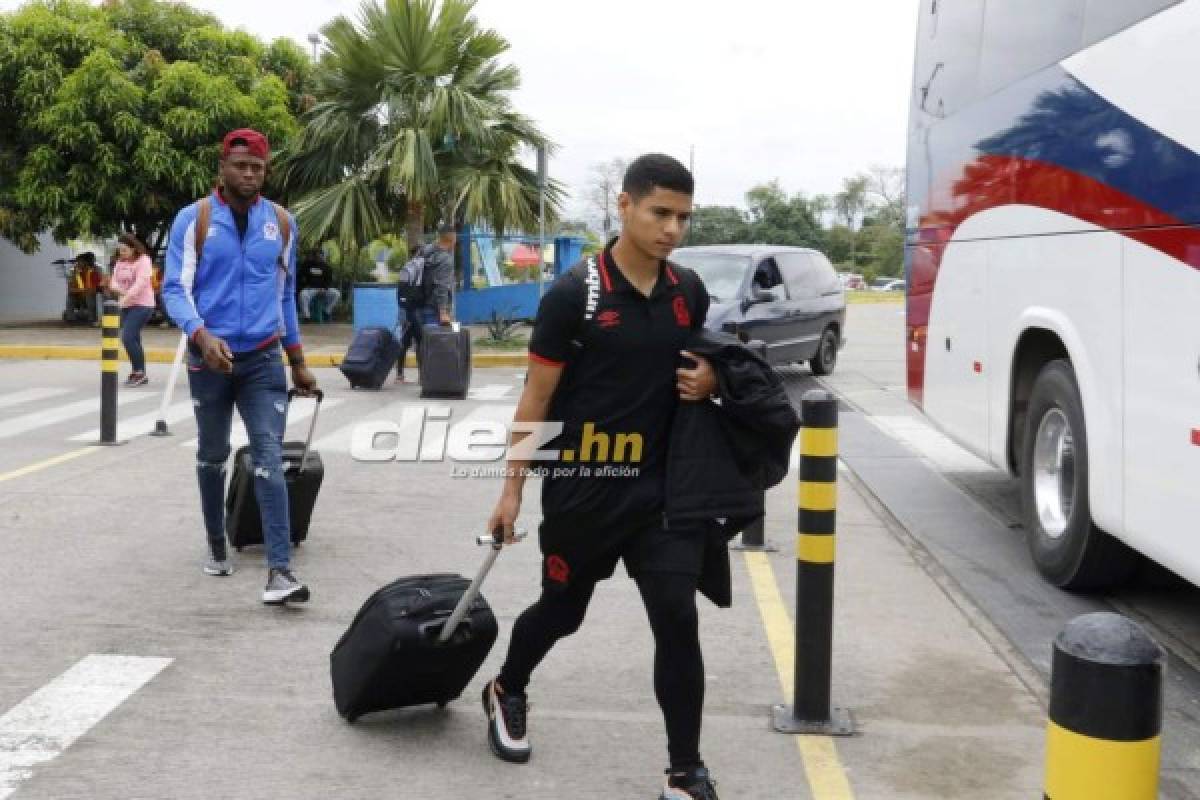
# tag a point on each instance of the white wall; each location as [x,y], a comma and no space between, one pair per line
[30,286]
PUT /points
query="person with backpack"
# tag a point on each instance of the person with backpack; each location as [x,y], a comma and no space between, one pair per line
[230,287]
[607,361]
[424,291]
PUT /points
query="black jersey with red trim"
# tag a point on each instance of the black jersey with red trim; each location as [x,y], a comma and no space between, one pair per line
[617,396]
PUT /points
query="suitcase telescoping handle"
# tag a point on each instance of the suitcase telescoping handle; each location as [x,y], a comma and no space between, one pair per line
[317,395]
[494,543]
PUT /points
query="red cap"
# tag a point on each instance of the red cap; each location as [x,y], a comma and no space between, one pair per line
[254,142]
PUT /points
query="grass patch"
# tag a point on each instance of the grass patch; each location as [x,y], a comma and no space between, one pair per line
[507,343]
[866,297]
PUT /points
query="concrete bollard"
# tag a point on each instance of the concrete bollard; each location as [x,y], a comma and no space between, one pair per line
[816,527]
[754,538]
[1103,737]
[110,349]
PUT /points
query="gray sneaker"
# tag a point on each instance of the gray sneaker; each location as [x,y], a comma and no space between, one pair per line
[282,587]
[220,567]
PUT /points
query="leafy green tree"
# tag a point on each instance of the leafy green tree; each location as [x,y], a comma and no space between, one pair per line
[851,202]
[840,244]
[881,248]
[413,124]
[777,218]
[718,225]
[114,114]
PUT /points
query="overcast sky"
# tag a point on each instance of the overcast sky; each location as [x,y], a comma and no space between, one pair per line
[806,92]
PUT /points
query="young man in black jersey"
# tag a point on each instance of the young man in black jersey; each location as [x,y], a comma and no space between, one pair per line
[606,360]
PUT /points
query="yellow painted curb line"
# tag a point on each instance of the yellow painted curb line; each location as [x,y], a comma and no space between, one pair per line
[160,356]
[824,771]
[49,462]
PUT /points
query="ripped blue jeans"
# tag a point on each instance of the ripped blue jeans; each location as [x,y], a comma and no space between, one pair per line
[258,388]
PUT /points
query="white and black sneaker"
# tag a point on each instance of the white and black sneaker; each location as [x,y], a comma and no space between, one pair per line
[506,724]
[695,784]
[219,567]
[282,587]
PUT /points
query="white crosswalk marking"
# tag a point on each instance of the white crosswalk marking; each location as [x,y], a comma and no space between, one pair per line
[489,413]
[339,441]
[30,396]
[56,414]
[493,391]
[50,720]
[299,410]
[140,426]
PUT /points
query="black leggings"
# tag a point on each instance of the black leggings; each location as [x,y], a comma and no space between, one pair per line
[670,602]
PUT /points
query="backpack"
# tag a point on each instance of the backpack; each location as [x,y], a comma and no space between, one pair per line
[204,218]
[410,286]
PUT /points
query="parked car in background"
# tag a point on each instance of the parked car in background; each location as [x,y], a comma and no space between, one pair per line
[789,298]
[852,280]
[888,285]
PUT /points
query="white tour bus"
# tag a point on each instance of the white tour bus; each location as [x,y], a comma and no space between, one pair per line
[1052,257]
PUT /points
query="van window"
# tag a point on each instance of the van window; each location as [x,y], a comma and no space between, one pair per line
[767,276]
[801,274]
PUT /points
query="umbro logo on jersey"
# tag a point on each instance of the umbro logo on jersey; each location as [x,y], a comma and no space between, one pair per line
[608,319]
[593,289]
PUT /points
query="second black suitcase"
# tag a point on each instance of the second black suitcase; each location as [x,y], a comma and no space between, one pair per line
[303,471]
[370,358]
[390,656]
[445,361]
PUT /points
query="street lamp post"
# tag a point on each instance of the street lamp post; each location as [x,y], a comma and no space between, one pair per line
[314,39]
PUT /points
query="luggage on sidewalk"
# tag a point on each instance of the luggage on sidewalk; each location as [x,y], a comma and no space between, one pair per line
[370,358]
[303,471]
[417,640]
[445,361]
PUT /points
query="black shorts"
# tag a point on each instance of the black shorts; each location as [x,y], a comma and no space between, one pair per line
[645,548]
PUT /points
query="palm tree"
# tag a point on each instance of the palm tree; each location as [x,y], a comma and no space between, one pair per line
[412,124]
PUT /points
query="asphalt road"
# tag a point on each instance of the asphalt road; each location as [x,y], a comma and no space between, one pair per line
[986,555]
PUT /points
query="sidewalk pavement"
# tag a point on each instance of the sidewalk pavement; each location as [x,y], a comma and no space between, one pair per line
[944,707]
[324,344]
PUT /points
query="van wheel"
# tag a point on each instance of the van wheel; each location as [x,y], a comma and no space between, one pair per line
[1067,547]
[827,352]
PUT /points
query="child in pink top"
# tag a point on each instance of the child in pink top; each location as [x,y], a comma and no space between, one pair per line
[132,282]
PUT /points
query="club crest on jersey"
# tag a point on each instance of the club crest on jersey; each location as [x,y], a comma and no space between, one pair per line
[682,317]
[271,232]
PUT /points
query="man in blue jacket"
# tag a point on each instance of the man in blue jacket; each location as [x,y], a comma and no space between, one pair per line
[230,285]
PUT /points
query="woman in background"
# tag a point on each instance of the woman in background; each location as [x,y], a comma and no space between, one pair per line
[132,282]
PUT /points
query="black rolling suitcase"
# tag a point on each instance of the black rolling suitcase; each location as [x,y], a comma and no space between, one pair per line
[445,361]
[417,640]
[302,469]
[370,358]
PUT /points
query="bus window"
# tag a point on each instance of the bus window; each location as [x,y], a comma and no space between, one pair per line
[947,55]
[1021,37]
[1105,17]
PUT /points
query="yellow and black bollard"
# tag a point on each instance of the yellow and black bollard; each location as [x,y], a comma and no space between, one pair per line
[816,525]
[109,354]
[1103,738]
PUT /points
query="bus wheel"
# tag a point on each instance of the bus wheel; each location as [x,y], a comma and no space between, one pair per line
[826,358]
[1068,549]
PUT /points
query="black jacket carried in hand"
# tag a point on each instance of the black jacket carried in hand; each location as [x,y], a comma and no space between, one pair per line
[722,457]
